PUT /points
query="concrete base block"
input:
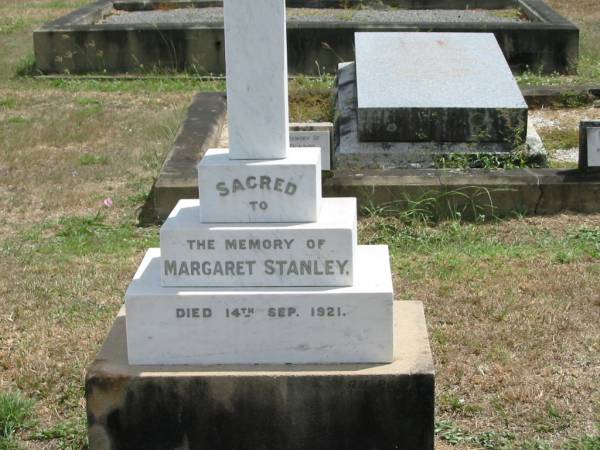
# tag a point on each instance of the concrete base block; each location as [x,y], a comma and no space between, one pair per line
[317,407]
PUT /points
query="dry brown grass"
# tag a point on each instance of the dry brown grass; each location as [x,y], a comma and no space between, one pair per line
[62,151]
[513,323]
[577,10]
[513,319]
[57,308]
[47,135]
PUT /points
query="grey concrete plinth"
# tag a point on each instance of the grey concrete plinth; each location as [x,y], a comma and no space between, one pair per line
[362,407]
[441,87]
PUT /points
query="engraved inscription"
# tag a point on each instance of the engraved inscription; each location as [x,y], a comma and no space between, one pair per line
[193,313]
[327,267]
[251,312]
[262,182]
[251,258]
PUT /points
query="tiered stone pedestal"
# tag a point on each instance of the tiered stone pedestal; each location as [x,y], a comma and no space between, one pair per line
[234,283]
[252,299]
[269,407]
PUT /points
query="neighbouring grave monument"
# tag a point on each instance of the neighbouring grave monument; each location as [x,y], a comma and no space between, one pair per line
[412,97]
[260,322]
[589,146]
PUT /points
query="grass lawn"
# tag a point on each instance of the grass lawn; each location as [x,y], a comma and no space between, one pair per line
[513,306]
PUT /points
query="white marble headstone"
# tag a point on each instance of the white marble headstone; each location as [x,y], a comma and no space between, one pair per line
[257,89]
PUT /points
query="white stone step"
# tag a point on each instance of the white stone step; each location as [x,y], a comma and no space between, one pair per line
[274,325]
[282,190]
[319,253]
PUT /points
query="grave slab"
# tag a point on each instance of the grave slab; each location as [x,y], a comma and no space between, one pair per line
[321,407]
[314,254]
[300,325]
[350,154]
[441,87]
[283,190]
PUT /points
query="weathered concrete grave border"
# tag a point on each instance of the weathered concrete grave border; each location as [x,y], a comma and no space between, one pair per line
[75,43]
[501,192]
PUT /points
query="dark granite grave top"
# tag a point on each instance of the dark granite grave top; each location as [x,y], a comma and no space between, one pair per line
[215,14]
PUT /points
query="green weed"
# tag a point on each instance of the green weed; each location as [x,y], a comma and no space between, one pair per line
[18,120]
[138,199]
[535,445]
[583,443]
[552,420]
[560,138]
[449,432]
[16,414]
[579,244]
[471,202]
[481,161]
[85,235]
[456,404]
[564,257]
[84,101]
[322,82]
[75,236]
[10,25]
[573,100]
[26,67]
[69,434]
[586,241]
[155,82]
[93,160]
[90,108]
[7,103]
[529,78]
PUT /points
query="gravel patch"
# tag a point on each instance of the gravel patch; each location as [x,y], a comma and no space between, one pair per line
[215,15]
[570,155]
